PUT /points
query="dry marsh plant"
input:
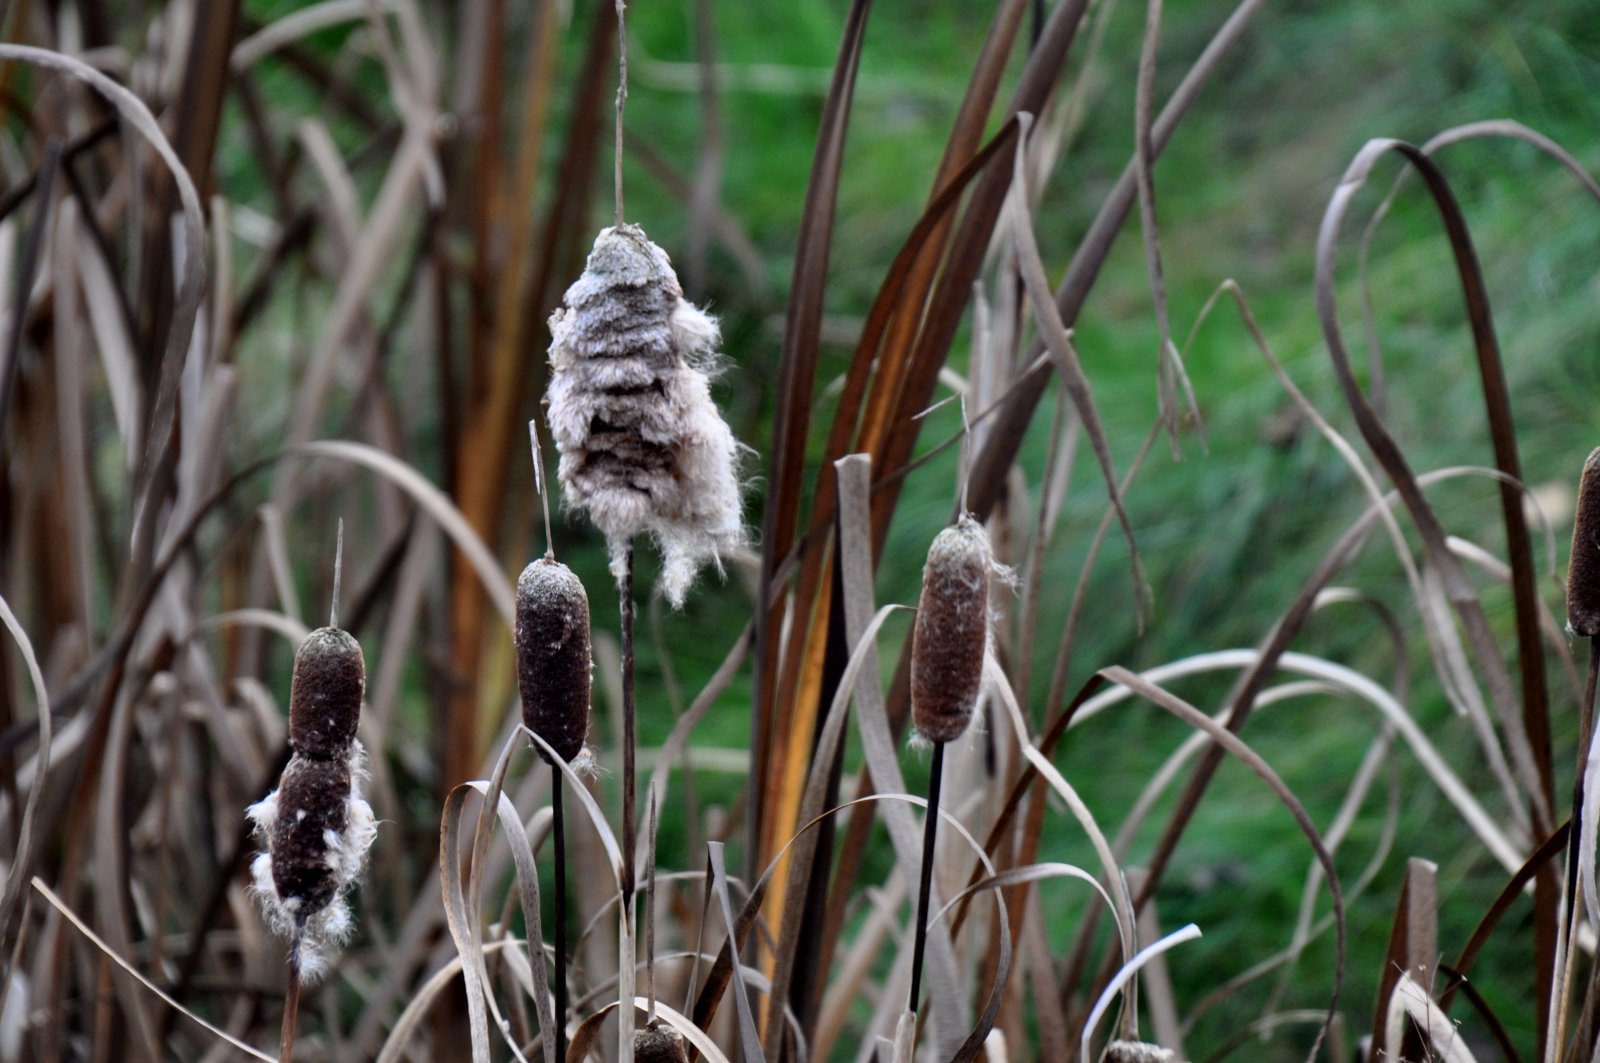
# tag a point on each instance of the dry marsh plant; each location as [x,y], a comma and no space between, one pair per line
[1279,747]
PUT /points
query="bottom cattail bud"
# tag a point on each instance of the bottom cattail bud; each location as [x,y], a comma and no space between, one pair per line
[317,829]
[659,1043]
[1583,574]
[554,664]
[952,632]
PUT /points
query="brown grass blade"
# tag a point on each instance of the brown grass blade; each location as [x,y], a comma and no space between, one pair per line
[1528,732]
[775,797]
[32,255]
[21,870]
[1232,744]
[59,905]
[1413,949]
[1005,439]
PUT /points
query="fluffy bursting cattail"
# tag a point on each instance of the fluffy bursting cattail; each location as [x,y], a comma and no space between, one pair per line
[643,448]
[951,632]
[1583,574]
[554,664]
[316,827]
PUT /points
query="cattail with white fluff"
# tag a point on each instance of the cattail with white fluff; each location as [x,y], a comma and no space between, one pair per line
[316,826]
[643,449]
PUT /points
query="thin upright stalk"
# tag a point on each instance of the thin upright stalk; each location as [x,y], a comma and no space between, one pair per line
[559,839]
[630,825]
[930,835]
[1575,843]
[291,1004]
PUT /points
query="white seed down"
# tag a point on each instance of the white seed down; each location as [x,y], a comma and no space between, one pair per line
[643,449]
[327,929]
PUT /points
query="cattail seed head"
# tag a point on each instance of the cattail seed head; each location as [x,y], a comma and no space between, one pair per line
[643,448]
[1138,1052]
[325,695]
[658,1042]
[316,827]
[311,804]
[951,632]
[554,664]
[1583,574]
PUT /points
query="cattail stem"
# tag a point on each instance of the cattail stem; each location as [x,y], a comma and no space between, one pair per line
[930,835]
[291,1002]
[622,99]
[1575,843]
[630,823]
[559,839]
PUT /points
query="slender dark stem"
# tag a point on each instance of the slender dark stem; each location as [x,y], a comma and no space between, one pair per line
[1575,839]
[630,824]
[930,834]
[622,101]
[291,1002]
[559,839]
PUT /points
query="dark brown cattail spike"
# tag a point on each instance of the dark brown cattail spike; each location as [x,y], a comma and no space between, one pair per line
[554,664]
[1583,574]
[325,694]
[951,633]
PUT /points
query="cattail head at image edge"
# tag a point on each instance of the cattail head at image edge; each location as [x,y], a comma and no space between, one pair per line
[316,827]
[1583,572]
[644,450]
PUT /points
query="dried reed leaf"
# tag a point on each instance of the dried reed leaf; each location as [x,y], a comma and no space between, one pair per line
[32,255]
[59,905]
[1169,363]
[775,799]
[1523,733]
[1125,977]
[1234,745]
[24,857]
[461,904]
[608,840]
[190,289]
[1509,895]
[433,501]
[1000,452]
[584,1037]
[802,849]
[1410,1001]
[395,1047]
[749,1037]
[947,1007]
[1122,909]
